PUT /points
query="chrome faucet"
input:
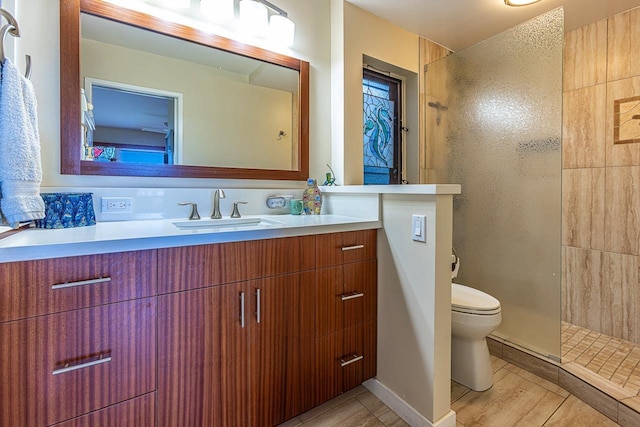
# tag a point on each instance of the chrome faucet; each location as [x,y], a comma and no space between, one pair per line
[217,195]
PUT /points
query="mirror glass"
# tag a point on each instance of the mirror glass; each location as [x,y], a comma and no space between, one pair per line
[157,104]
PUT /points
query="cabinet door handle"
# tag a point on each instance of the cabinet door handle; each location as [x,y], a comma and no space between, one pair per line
[242,309]
[353,295]
[86,363]
[81,283]
[258,305]
[350,248]
[354,359]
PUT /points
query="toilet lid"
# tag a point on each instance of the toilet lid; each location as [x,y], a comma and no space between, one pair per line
[469,300]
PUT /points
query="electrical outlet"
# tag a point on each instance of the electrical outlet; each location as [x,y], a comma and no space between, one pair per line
[116,204]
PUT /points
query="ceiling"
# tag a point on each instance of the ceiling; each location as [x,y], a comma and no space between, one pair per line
[457,24]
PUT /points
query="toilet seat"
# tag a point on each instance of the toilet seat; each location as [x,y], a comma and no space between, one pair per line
[472,301]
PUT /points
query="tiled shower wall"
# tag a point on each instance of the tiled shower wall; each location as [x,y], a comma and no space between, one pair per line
[601,181]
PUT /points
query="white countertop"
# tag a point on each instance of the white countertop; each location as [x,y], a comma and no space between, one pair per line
[107,237]
[405,189]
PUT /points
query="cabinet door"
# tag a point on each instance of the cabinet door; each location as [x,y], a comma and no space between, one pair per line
[202,365]
[282,347]
[58,367]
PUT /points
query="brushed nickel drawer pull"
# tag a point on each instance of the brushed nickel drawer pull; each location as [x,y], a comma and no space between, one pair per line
[68,367]
[81,283]
[355,358]
[350,248]
[242,309]
[352,295]
[258,305]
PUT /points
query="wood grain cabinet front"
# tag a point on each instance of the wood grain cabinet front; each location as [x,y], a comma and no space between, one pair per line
[346,307]
[57,367]
[33,288]
[240,354]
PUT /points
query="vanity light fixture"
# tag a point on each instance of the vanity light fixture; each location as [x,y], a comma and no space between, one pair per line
[520,2]
[254,17]
[217,10]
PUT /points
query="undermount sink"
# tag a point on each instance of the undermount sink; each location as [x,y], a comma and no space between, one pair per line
[224,222]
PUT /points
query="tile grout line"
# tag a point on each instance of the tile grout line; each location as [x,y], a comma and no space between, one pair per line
[557,409]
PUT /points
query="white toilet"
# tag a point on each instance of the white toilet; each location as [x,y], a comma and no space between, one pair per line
[474,315]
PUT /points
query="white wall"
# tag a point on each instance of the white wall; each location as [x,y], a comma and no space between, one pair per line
[39,25]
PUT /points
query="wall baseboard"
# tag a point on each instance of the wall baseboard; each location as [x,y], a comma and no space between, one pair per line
[404,410]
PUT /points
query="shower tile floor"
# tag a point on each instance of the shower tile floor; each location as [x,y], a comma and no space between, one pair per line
[611,364]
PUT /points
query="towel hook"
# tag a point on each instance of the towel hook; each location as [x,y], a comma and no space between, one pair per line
[13,29]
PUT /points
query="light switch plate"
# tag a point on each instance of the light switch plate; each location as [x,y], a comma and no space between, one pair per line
[419,228]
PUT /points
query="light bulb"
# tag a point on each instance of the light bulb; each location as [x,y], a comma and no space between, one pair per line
[254,17]
[176,4]
[217,10]
[282,30]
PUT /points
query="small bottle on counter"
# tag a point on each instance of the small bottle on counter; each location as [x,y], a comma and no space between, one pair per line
[312,198]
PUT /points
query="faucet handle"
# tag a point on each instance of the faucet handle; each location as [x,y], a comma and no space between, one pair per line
[194,209]
[236,212]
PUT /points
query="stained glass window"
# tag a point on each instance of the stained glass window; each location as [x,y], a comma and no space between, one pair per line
[380,129]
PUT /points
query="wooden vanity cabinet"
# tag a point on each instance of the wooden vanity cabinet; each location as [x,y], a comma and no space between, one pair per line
[239,353]
[234,334]
[77,335]
[346,306]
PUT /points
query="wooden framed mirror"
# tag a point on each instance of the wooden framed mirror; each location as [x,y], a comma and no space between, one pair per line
[77,156]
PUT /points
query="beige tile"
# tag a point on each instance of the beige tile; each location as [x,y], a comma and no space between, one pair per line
[457,391]
[622,217]
[633,403]
[583,196]
[582,278]
[574,412]
[293,422]
[583,130]
[619,297]
[380,410]
[620,154]
[585,375]
[326,406]
[585,56]
[628,417]
[539,367]
[623,58]
[348,414]
[511,401]
[497,363]
[589,394]
[548,385]
[495,347]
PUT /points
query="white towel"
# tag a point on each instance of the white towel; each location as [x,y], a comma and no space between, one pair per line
[20,167]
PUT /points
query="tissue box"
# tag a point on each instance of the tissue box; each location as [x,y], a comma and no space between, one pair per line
[66,210]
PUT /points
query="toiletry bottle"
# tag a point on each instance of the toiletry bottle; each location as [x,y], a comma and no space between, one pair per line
[312,198]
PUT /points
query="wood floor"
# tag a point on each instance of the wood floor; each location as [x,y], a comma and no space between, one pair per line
[517,398]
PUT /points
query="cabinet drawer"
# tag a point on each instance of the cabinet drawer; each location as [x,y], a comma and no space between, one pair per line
[345,360]
[339,248]
[271,257]
[345,296]
[193,267]
[138,412]
[57,367]
[33,288]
